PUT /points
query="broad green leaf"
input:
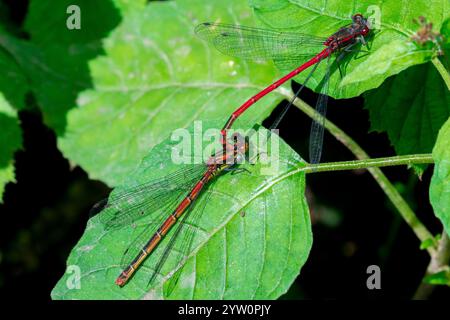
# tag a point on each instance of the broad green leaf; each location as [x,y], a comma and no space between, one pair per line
[157,76]
[13,81]
[411,111]
[392,58]
[391,50]
[440,182]
[97,19]
[61,55]
[10,142]
[234,256]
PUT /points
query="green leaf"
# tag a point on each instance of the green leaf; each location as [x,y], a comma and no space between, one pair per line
[60,69]
[439,278]
[13,81]
[10,142]
[427,244]
[97,20]
[256,256]
[391,50]
[157,76]
[445,32]
[410,111]
[390,59]
[430,242]
[440,182]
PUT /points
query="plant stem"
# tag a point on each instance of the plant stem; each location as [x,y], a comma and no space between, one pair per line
[438,261]
[370,163]
[442,71]
[391,192]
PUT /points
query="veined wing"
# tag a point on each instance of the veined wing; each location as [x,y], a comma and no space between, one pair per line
[317,126]
[173,248]
[255,43]
[134,202]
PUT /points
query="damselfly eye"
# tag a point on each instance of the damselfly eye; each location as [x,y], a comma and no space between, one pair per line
[365,31]
[357,17]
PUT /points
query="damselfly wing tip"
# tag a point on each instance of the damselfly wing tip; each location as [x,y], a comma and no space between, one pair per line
[202,26]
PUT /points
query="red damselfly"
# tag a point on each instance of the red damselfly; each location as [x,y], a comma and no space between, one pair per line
[166,200]
[171,198]
[285,49]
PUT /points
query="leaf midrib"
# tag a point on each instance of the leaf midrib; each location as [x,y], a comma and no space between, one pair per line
[268,185]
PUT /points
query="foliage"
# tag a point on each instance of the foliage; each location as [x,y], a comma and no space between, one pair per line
[440,186]
[255,256]
[114,91]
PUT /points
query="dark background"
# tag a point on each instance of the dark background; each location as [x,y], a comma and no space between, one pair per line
[354,224]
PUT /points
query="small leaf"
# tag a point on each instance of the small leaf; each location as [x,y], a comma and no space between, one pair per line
[257,256]
[440,182]
[439,278]
[431,242]
[10,142]
[426,244]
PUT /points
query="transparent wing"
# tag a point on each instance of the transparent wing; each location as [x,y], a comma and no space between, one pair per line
[317,126]
[134,202]
[288,106]
[135,248]
[175,247]
[182,238]
[290,63]
[255,43]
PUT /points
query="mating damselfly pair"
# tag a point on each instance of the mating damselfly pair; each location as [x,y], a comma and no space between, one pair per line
[170,202]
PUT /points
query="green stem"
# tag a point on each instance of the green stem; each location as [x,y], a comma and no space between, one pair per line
[370,163]
[442,71]
[391,192]
[439,260]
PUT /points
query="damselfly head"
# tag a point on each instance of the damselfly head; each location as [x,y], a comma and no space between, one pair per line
[357,18]
[361,24]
